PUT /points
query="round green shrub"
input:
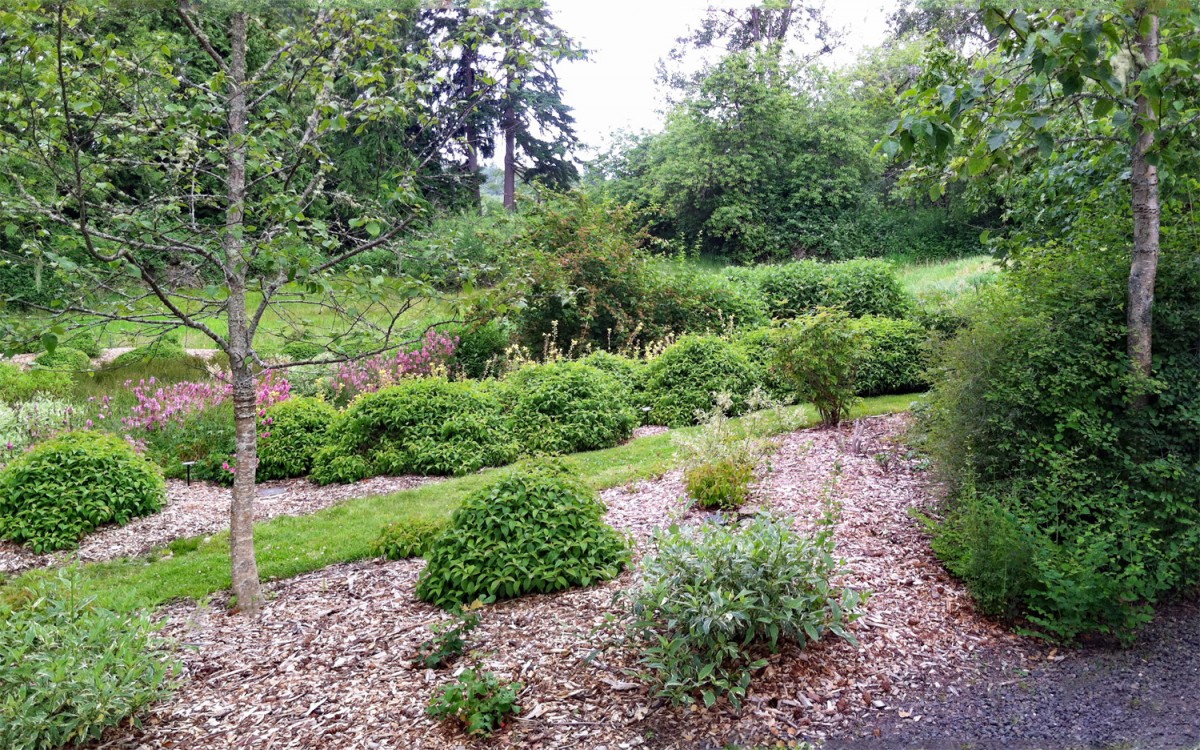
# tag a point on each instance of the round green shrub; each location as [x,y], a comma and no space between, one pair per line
[534,530]
[427,426]
[60,490]
[409,538]
[479,349]
[860,287]
[86,342]
[723,485]
[64,359]
[291,433]
[161,350]
[684,378]
[759,347]
[302,351]
[894,359]
[567,407]
[631,372]
[21,385]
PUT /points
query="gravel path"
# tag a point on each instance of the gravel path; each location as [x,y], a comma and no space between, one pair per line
[1096,697]
[201,508]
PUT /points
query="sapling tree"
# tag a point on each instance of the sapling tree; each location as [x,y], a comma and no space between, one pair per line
[158,142]
[1117,74]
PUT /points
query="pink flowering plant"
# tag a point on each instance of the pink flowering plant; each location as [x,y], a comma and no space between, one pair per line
[372,373]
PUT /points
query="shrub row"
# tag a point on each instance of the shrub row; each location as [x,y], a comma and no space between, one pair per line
[860,287]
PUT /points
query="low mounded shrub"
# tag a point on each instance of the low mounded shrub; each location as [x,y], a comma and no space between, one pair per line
[427,426]
[70,669]
[567,407]
[65,359]
[86,342]
[65,487]
[408,538]
[302,351]
[161,350]
[20,385]
[759,347]
[534,530]
[894,358]
[721,485]
[291,433]
[683,380]
[716,597]
[631,372]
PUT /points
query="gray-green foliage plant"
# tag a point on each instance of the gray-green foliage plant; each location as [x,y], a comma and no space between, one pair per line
[568,407]
[69,669]
[534,530]
[681,383]
[819,355]
[717,597]
[55,493]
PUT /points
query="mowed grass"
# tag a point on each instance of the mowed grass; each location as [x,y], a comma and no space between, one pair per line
[951,277]
[288,546]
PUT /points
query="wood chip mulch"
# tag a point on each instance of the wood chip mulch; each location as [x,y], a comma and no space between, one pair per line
[196,510]
[327,666]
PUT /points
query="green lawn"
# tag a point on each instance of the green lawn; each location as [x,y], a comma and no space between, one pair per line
[948,277]
[289,546]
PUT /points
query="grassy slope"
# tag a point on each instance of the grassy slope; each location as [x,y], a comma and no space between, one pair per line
[947,277]
[289,546]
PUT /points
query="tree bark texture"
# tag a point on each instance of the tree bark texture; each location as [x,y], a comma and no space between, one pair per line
[246,586]
[510,157]
[1146,216]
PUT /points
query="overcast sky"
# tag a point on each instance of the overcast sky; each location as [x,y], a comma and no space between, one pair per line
[615,89]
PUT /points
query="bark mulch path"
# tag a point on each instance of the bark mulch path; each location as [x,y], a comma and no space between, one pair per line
[202,508]
[328,664]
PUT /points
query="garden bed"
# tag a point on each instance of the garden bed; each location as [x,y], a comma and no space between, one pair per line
[328,665]
[199,509]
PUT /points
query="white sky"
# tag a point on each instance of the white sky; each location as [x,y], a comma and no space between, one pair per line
[615,89]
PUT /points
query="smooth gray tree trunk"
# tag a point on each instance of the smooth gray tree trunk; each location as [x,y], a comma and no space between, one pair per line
[1146,218]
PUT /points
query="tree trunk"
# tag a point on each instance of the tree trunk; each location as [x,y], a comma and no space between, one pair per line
[246,586]
[471,131]
[510,156]
[1146,218]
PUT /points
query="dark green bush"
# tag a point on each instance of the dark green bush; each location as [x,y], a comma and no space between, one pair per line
[683,299]
[70,669]
[631,372]
[534,530]
[302,351]
[894,358]
[480,349]
[819,355]
[21,385]
[759,347]
[424,426]
[291,433]
[860,287]
[86,342]
[54,494]
[1034,406]
[723,485]
[568,407]
[405,539]
[683,379]
[716,597]
[64,359]
[160,349]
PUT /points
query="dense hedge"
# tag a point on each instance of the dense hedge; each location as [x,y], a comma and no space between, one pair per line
[567,407]
[534,530]
[683,379]
[685,300]
[425,426]
[860,287]
[67,486]
[895,356]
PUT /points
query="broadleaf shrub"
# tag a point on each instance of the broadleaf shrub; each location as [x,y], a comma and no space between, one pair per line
[684,300]
[716,597]
[64,358]
[291,433]
[477,700]
[860,287]
[568,407]
[69,669]
[408,538]
[534,530]
[481,348]
[682,381]
[894,356]
[720,485]
[426,426]
[65,487]
[631,372]
[819,355]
